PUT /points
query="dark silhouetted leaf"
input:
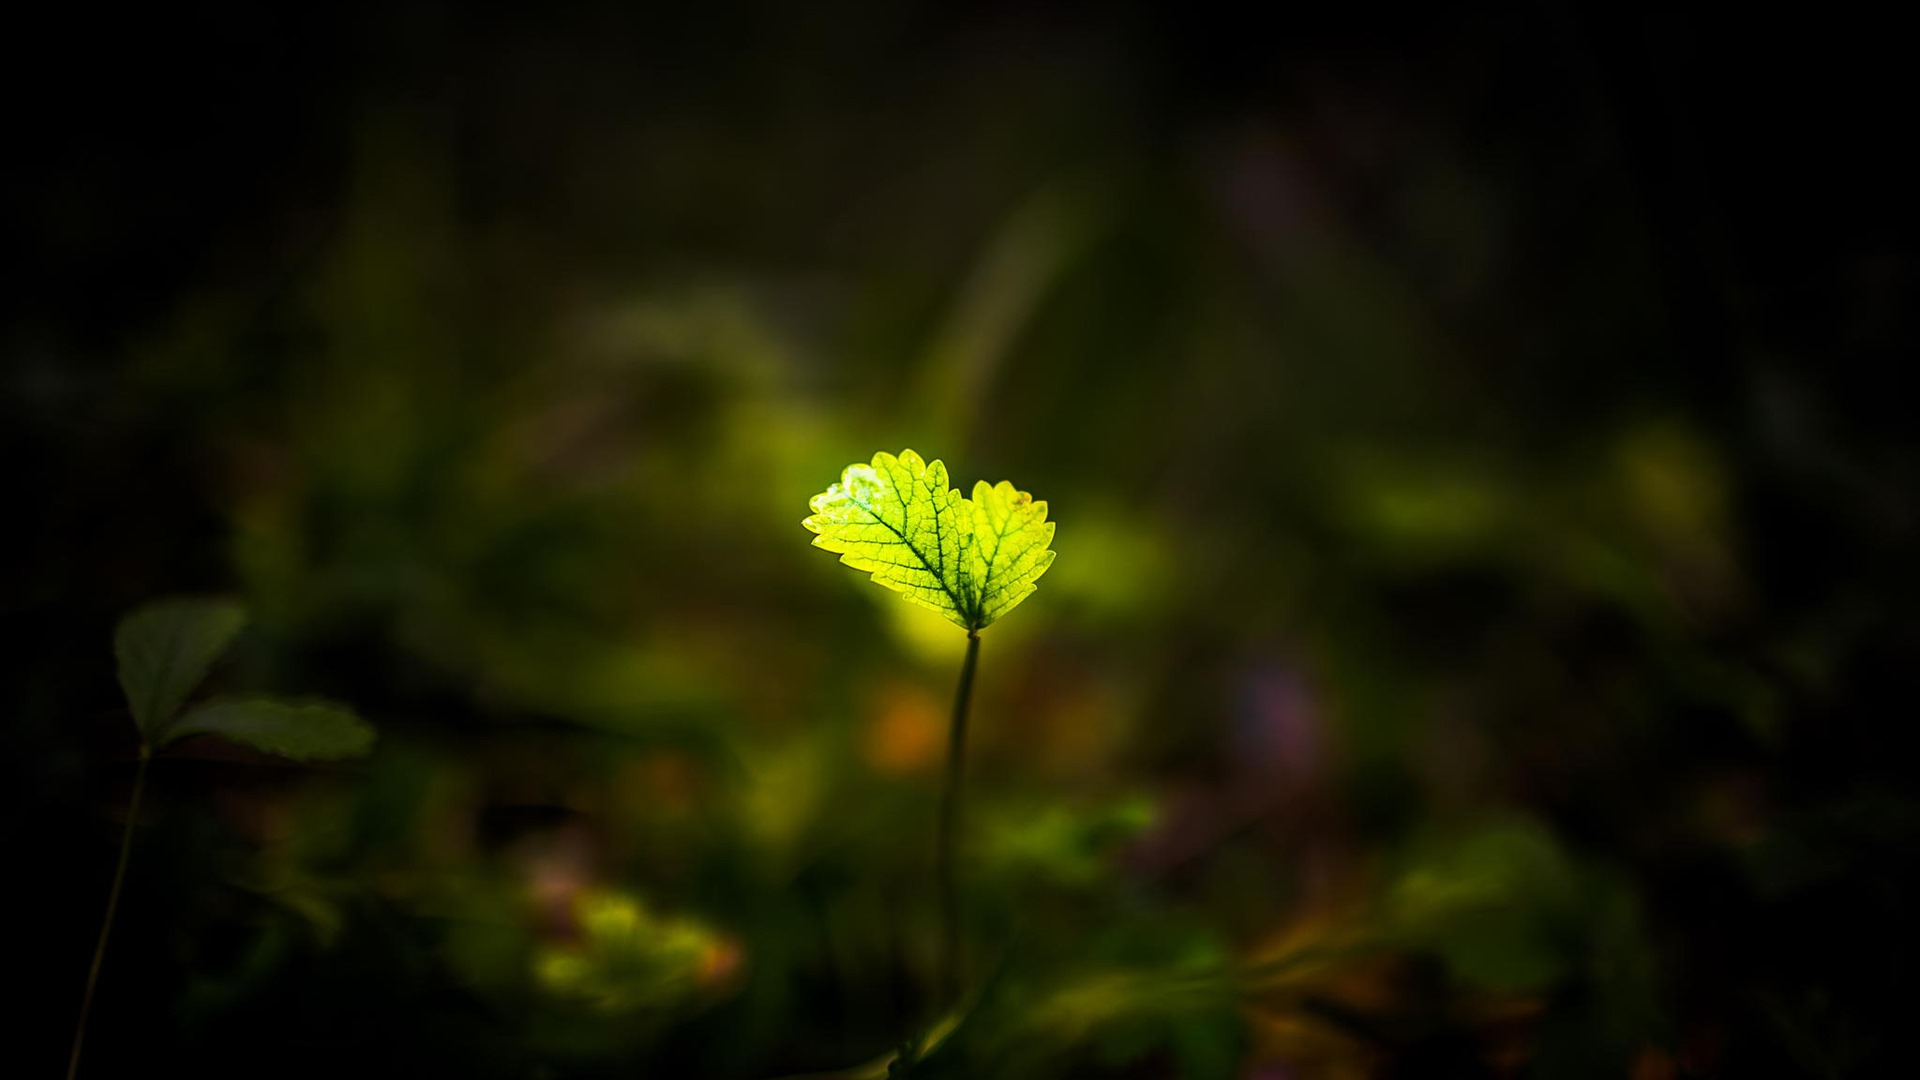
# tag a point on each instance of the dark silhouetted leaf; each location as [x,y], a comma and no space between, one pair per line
[302,731]
[164,649]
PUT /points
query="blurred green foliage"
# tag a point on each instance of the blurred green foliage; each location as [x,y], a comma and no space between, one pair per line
[1480,645]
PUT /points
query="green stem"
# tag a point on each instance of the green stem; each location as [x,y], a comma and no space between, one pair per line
[113,906]
[949,967]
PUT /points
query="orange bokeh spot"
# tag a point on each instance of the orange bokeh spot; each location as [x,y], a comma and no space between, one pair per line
[904,731]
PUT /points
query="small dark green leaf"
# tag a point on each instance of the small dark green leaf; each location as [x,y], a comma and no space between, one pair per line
[164,649]
[302,731]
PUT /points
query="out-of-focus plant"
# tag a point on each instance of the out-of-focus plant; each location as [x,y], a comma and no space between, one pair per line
[970,559]
[627,959]
[164,651]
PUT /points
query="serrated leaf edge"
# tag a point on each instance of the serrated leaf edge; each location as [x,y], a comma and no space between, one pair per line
[969,598]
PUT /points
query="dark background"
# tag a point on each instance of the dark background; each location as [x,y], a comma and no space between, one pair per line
[1481,442]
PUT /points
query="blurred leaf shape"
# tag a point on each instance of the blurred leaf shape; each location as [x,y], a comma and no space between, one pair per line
[1026,258]
[1061,844]
[1186,1011]
[971,560]
[1177,1009]
[300,731]
[627,959]
[1494,903]
[792,784]
[1422,510]
[1673,484]
[164,649]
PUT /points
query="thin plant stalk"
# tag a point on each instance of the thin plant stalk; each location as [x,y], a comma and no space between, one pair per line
[113,907]
[949,972]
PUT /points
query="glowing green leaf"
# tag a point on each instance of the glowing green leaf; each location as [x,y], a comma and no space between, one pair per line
[164,649]
[1011,548]
[303,731]
[972,560]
